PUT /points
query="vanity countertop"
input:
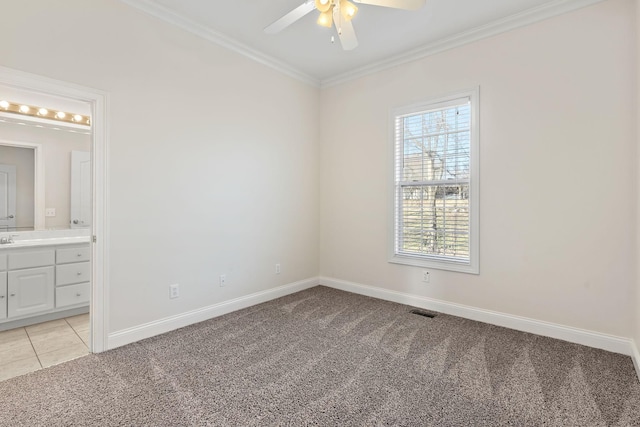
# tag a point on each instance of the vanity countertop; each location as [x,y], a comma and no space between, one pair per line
[49,241]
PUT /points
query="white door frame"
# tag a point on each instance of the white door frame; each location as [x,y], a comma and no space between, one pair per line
[99,102]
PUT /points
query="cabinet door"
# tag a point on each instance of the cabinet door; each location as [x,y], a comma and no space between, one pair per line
[30,291]
[3,295]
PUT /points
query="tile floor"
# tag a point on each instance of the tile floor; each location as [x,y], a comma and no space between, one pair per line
[23,350]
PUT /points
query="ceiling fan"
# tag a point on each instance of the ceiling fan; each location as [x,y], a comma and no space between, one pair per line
[340,13]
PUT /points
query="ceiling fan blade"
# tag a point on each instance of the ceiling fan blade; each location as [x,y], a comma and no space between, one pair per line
[347,34]
[290,17]
[396,4]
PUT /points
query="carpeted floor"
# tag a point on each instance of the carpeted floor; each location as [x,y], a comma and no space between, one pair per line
[326,357]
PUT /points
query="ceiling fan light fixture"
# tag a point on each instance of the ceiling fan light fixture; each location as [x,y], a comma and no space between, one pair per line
[323,5]
[348,10]
[326,19]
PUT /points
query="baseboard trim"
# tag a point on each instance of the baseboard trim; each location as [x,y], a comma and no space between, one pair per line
[147,330]
[635,356]
[566,333]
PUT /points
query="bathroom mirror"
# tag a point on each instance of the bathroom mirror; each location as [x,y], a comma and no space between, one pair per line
[44,176]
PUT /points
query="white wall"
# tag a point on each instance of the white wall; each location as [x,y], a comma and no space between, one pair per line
[56,149]
[213,157]
[557,129]
[22,159]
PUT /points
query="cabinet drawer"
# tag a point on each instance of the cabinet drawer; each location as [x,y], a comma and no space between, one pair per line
[3,262]
[31,259]
[68,274]
[72,295]
[67,255]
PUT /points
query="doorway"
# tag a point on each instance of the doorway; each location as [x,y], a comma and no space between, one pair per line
[97,101]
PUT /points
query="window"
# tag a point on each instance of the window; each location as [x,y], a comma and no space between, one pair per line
[435,209]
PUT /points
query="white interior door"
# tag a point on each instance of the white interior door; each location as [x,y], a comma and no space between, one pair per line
[7,197]
[80,189]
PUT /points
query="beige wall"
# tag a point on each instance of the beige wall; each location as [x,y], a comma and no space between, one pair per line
[213,157]
[22,159]
[56,148]
[557,129]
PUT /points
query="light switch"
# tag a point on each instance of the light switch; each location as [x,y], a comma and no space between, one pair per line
[50,212]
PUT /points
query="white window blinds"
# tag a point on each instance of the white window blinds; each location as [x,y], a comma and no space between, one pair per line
[432,175]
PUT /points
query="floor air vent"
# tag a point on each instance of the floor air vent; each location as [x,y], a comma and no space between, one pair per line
[423,313]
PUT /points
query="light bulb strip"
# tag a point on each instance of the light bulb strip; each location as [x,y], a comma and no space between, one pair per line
[44,113]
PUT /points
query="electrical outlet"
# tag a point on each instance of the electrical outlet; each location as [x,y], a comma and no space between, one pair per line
[174,291]
[50,212]
[223,280]
[426,277]
[278,269]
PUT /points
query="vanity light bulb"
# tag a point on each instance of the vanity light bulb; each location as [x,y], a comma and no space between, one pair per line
[77,118]
[4,104]
[24,109]
[60,115]
[43,111]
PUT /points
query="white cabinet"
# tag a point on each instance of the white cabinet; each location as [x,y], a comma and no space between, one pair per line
[30,291]
[42,280]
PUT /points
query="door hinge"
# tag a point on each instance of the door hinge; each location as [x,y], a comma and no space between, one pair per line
[93,239]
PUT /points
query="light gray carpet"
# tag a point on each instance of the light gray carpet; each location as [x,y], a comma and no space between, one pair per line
[326,357]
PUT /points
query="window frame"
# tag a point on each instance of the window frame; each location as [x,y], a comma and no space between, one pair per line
[434,261]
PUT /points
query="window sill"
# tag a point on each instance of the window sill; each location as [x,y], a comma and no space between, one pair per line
[458,267]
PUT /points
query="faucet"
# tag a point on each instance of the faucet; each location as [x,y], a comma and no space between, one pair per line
[7,240]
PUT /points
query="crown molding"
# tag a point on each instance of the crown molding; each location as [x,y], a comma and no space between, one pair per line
[220,39]
[530,16]
[521,19]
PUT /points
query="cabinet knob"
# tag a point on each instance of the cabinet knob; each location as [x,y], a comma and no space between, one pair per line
[79,254]
[79,273]
[1,296]
[13,295]
[78,294]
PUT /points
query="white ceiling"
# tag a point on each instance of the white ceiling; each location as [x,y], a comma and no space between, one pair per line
[385,35]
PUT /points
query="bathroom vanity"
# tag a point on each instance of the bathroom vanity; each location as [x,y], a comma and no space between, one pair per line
[43,279]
